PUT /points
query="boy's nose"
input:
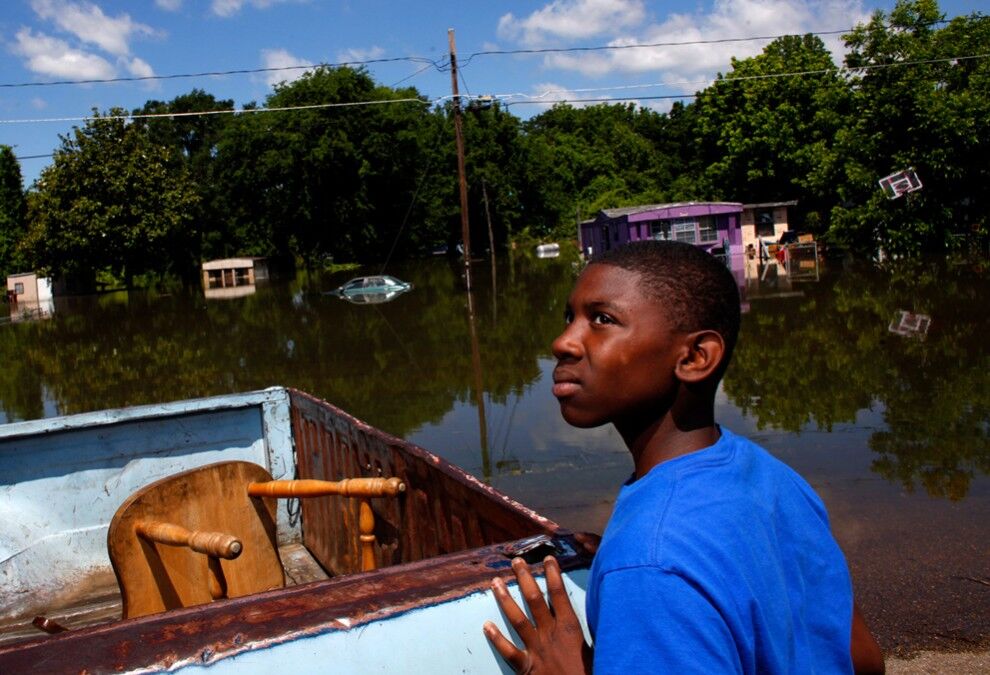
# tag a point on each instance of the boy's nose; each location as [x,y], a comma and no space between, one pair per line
[566,345]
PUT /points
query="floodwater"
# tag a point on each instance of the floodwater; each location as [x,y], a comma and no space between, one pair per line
[875,386]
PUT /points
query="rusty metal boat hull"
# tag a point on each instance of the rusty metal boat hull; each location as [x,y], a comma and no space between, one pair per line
[437,547]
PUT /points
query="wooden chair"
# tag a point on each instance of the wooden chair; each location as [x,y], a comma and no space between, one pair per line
[209,533]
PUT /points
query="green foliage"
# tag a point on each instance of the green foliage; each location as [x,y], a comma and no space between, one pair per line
[580,160]
[767,138]
[336,181]
[933,116]
[192,141]
[110,200]
[11,212]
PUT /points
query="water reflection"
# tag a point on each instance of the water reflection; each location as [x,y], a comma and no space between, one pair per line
[467,376]
[819,360]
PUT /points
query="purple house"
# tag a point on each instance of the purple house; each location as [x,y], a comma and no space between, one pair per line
[714,226]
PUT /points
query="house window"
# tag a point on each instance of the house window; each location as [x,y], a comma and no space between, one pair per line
[659,229]
[683,229]
[19,289]
[700,230]
[707,232]
[764,222]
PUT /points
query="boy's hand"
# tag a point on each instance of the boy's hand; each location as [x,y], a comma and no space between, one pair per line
[554,640]
[589,541]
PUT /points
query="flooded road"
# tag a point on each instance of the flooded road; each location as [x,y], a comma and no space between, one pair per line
[885,414]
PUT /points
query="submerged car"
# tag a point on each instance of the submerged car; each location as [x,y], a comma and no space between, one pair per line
[370,290]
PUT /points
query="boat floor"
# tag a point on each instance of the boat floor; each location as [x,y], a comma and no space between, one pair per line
[103,604]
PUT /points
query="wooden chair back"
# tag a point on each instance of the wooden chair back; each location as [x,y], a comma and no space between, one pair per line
[195,537]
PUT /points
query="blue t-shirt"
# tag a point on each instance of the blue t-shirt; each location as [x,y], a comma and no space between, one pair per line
[720,561]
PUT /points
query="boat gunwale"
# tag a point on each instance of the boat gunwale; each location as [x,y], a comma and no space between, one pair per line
[149,411]
[208,633]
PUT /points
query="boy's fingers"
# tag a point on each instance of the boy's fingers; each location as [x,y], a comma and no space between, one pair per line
[589,541]
[512,654]
[513,614]
[562,607]
[531,592]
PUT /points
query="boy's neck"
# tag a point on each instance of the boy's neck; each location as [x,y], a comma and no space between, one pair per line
[679,431]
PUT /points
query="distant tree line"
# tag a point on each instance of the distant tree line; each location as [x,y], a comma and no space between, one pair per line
[156,195]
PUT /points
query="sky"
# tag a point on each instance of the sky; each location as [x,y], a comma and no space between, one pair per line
[50,41]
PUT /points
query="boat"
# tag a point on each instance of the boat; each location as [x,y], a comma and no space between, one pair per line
[435,548]
[371,290]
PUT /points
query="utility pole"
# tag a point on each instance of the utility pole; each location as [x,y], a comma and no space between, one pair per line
[461,175]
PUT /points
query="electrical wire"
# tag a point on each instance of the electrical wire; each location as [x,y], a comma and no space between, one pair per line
[239,71]
[539,98]
[681,43]
[418,72]
[526,99]
[224,111]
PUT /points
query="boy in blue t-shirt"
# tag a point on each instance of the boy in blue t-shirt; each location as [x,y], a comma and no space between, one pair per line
[717,557]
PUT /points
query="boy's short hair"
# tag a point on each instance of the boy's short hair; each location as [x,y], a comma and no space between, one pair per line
[697,290]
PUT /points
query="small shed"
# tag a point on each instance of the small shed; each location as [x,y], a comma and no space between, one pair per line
[231,272]
[28,287]
[765,221]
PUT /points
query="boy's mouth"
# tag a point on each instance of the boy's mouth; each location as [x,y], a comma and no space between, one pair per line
[564,384]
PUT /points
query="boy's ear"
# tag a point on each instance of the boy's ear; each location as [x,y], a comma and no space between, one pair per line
[704,351]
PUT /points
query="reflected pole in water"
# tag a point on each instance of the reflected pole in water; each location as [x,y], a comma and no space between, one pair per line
[479,391]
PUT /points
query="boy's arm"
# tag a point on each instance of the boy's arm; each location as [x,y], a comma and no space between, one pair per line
[866,655]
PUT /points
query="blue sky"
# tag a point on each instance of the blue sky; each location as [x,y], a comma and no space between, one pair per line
[52,40]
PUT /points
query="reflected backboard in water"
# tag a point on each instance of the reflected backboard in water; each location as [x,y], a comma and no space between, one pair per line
[909,324]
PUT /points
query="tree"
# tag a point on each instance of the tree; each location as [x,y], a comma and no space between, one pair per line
[932,114]
[111,200]
[327,181]
[597,157]
[768,138]
[11,212]
[192,140]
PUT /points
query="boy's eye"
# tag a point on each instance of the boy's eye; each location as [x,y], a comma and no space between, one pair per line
[600,318]
[568,316]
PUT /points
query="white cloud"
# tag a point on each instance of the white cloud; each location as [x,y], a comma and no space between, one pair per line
[544,95]
[47,55]
[355,55]
[169,5]
[87,22]
[227,8]
[39,103]
[139,68]
[280,58]
[571,20]
[688,68]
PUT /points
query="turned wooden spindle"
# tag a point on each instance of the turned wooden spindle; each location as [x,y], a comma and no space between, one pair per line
[348,487]
[366,523]
[215,544]
[217,581]
[363,488]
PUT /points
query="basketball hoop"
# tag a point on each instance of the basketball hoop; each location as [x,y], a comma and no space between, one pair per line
[900,183]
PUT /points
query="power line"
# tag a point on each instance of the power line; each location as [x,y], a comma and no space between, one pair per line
[526,98]
[224,111]
[605,100]
[538,98]
[681,43]
[241,71]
